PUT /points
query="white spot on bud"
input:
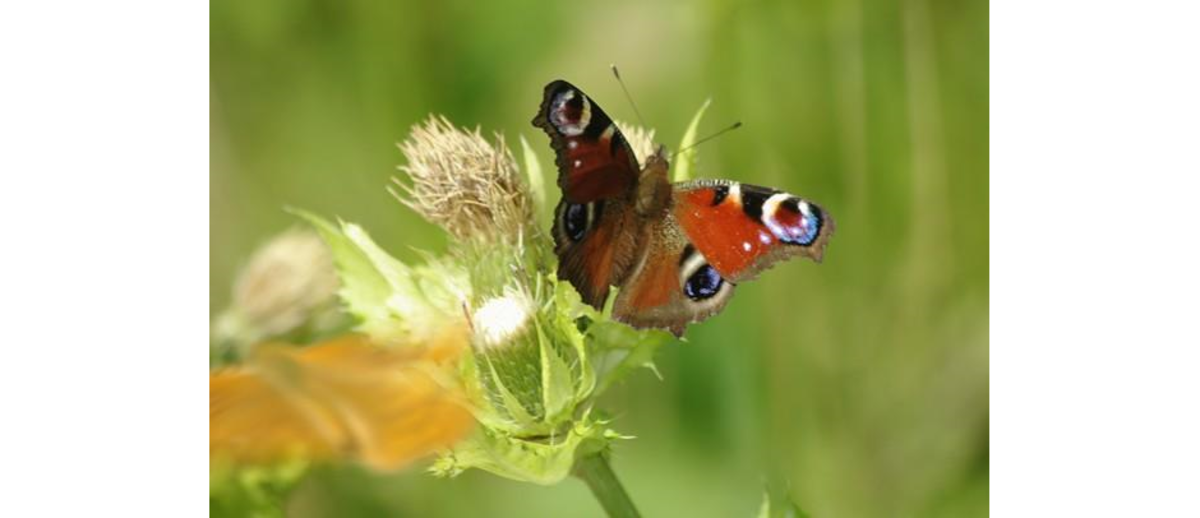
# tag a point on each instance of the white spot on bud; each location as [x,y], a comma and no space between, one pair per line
[501,318]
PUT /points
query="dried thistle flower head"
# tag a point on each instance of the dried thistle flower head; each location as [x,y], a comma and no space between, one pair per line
[640,139]
[463,183]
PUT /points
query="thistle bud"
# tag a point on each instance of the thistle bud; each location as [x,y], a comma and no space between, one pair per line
[288,284]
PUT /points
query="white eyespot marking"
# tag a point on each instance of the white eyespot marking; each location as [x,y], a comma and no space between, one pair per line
[570,124]
[586,117]
[735,194]
[578,163]
[572,144]
[608,132]
[805,209]
[764,237]
[689,267]
[768,215]
[746,246]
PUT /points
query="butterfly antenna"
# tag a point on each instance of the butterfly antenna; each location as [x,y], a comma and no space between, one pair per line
[628,97]
[731,127]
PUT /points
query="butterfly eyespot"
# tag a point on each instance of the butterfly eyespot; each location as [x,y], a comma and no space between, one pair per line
[575,221]
[793,221]
[570,113]
[703,284]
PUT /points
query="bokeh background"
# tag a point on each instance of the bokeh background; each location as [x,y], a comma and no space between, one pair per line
[860,384]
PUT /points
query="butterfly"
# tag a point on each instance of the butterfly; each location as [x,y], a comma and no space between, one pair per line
[675,251]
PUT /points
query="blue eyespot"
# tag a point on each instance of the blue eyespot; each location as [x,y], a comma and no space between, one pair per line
[703,284]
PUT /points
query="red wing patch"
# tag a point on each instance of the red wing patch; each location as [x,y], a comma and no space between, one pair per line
[742,229]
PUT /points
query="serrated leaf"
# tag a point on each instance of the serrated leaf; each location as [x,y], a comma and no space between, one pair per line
[633,349]
[365,289]
[558,392]
[397,274]
[539,462]
[391,300]
[685,163]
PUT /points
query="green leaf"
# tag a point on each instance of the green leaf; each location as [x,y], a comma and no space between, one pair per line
[258,491]
[542,461]
[391,300]
[778,504]
[685,163]
[512,403]
[623,350]
[558,390]
[533,174]
[365,289]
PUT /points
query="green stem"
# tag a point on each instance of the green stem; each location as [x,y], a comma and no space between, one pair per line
[596,472]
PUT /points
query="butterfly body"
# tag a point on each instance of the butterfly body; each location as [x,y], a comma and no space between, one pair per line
[675,250]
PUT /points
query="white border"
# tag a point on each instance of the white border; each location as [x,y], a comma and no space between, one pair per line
[1095,157]
[104,207]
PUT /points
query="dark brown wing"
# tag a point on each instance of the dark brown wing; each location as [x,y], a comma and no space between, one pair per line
[594,160]
[596,232]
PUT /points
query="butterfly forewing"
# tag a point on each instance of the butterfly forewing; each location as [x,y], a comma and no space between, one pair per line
[594,160]
[743,229]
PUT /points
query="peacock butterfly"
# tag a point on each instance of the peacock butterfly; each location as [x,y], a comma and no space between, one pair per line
[676,251]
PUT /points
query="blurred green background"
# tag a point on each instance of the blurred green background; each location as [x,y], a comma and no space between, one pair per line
[860,384]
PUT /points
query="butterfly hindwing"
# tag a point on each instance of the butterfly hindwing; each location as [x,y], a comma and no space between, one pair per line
[594,159]
[673,284]
[597,244]
[743,229]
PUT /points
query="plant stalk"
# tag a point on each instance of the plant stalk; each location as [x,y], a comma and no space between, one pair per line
[595,470]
